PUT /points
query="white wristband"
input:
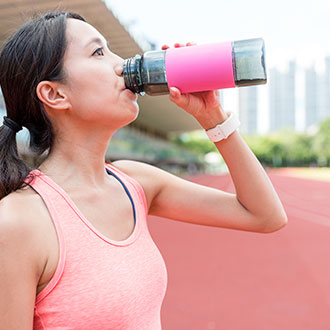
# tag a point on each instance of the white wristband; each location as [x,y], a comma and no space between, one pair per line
[223,130]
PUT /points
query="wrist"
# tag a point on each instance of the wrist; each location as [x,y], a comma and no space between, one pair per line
[217,118]
[225,129]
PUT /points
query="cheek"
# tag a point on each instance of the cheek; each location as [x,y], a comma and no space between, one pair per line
[97,95]
[94,93]
[88,80]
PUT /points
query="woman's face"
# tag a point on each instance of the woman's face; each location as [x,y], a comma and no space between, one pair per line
[94,82]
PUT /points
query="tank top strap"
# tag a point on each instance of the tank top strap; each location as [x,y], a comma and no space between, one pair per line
[48,192]
[50,196]
[127,180]
[54,204]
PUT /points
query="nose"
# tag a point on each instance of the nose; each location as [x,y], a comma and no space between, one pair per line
[119,69]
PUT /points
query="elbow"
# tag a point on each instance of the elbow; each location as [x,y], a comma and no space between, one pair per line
[274,223]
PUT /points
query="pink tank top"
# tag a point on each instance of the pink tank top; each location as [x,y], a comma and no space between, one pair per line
[100,283]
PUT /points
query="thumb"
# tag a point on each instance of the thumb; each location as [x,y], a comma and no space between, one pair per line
[179,99]
[174,92]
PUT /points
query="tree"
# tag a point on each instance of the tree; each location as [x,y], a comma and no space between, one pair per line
[268,149]
[321,145]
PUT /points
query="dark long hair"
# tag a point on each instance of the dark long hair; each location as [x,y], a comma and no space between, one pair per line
[33,54]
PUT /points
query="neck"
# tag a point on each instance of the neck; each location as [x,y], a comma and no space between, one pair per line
[78,158]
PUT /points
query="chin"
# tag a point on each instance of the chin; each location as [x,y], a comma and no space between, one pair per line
[135,110]
[133,118]
[131,115]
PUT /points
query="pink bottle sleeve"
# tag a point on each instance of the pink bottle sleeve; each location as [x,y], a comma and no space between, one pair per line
[200,68]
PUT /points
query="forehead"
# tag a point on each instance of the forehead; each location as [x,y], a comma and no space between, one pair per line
[79,33]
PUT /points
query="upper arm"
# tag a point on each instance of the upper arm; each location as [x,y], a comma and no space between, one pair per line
[176,198]
[18,270]
[186,201]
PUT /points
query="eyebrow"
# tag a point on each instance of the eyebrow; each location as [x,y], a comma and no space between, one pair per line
[97,40]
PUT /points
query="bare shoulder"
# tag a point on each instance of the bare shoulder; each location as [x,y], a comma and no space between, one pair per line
[17,204]
[134,167]
[151,178]
[21,258]
[146,174]
[20,223]
[14,212]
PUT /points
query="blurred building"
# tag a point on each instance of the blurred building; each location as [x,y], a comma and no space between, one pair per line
[282,104]
[158,116]
[312,115]
[248,109]
[326,87]
[317,94]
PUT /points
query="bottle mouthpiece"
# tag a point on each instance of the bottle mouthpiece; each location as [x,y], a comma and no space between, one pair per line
[132,74]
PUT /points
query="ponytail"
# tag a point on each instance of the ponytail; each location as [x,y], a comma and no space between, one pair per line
[13,170]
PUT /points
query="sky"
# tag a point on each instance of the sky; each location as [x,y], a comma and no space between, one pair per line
[291,28]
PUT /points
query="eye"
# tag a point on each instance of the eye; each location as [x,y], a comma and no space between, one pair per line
[99,51]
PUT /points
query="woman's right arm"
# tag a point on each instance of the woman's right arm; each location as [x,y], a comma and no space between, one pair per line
[19,273]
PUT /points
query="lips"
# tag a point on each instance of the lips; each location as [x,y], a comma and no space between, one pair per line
[129,92]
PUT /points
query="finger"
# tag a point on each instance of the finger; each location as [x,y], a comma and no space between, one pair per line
[164,47]
[177,45]
[181,100]
[191,43]
[174,92]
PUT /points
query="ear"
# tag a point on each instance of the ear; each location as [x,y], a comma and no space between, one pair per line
[52,95]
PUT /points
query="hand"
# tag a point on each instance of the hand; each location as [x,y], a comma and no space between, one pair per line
[204,106]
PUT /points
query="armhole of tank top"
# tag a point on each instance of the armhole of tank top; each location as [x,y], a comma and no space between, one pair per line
[39,319]
[135,185]
[61,246]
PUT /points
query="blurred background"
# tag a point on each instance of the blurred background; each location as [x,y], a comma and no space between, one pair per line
[222,279]
[285,122]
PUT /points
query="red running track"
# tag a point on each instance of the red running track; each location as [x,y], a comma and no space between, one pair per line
[234,280]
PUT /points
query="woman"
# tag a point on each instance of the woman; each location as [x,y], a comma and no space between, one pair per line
[75,249]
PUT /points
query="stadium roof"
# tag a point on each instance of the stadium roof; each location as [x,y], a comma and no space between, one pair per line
[157,112]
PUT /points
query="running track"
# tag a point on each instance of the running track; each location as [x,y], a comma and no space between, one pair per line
[233,280]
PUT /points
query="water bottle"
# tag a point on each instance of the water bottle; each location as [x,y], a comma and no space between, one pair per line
[197,68]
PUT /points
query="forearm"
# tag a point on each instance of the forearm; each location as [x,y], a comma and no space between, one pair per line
[253,187]
[254,191]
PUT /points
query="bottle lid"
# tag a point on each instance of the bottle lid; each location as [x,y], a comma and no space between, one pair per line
[249,62]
